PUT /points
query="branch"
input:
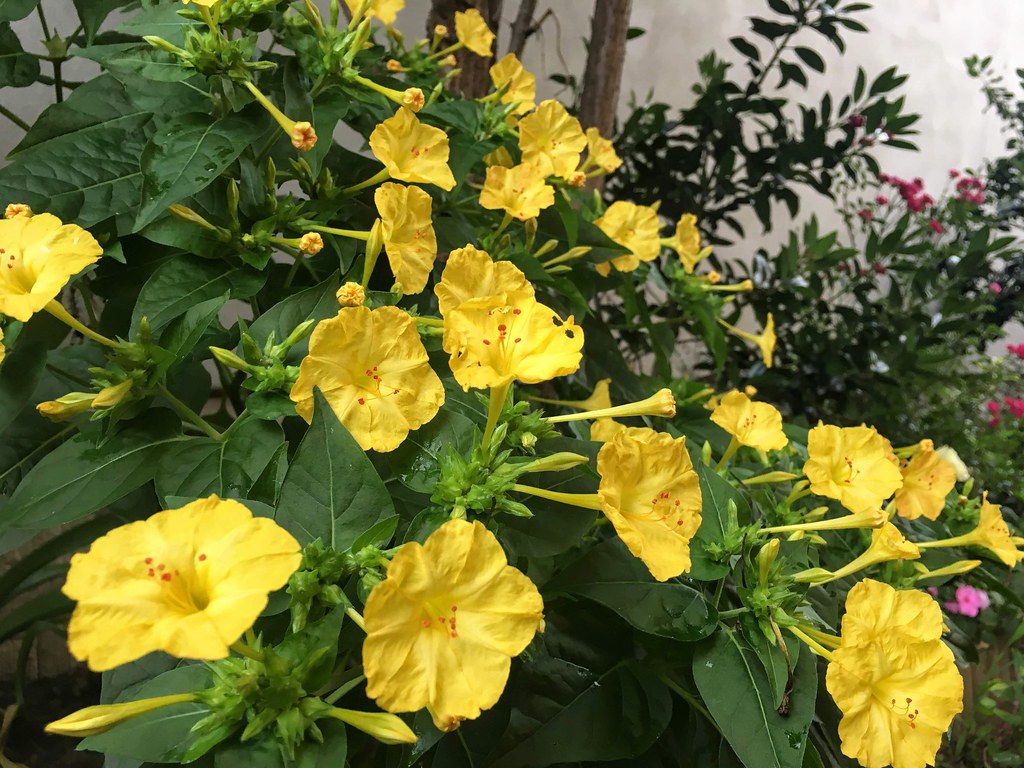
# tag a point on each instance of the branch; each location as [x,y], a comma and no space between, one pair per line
[605,59]
[523,27]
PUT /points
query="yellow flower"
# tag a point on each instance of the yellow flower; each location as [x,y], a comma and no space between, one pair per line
[385,10]
[758,425]
[501,156]
[651,495]
[412,151]
[408,234]
[442,628]
[875,610]
[471,274]
[852,465]
[601,152]
[522,85]
[17,209]
[991,533]
[894,680]
[686,242]
[473,32]
[553,139]
[493,342]
[634,227]
[887,544]
[38,256]
[351,295]
[765,340]
[91,721]
[605,430]
[372,368]
[519,191]
[186,581]
[927,479]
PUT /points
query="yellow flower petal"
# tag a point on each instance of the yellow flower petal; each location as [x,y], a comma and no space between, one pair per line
[493,342]
[522,86]
[385,10]
[875,610]
[651,494]
[408,232]
[38,256]
[601,152]
[552,139]
[373,369]
[186,581]
[605,430]
[686,242]
[412,151]
[634,227]
[927,480]
[472,31]
[897,699]
[758,425]
[442,628]
[852,465]
[471,274]
[993,534]
[520,191]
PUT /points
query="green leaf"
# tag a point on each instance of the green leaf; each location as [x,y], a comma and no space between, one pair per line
[40,608]
[416,462]
[179,284]
[80,160]
[18,379]
[184,332]
[316,303]
[17,68]
[735,688]
[266,752]
[15,10]
[164,735]
[811,58]
[229,467]
[92,13]
[132,58]
[331,491]
[80,476]
[716,493]
[609,574]
[575,714]
[188,153]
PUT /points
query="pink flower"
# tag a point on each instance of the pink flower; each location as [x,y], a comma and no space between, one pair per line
[865,214]
[953,173]
[994,422]
[915,203]
[856,121]
[969,601]
[1015,406]
[933,591]
[993,407]
[882,200]
[1017,349]
[936,227]
[995,287]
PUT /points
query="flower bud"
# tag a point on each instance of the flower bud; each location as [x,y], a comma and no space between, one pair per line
[766,558]
[556,462]
[383,726]
[111,396]
[351,295]
[17,209]
[413,99]
[394,65]
[230,359]
[102,717]
[65,407]
[311,243]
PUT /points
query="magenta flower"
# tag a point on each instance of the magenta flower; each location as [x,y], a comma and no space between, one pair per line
[1016,349]
[969,601]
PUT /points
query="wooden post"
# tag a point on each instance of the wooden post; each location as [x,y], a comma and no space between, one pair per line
[474,80]
[605,58]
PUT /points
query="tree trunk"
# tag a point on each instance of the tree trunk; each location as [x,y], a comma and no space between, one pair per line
[474,80]
[522,27]
[605,59]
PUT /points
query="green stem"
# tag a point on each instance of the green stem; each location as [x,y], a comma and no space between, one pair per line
[718,592]
[345,688]
[689,698]
[189,415]
[14,118]
[732,612]
[358,234]
[299,258]
[357,617]
[244,650]
[733,447]
[494,407]
[57,309]
[42,22]
[58,83]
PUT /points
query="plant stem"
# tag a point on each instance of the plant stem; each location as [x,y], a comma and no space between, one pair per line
[344,688]
[381,176]
[585,500]
[494,407]
[14,118]
[689,698]
[357,617]
[244,650]
[58,83]
[189,415]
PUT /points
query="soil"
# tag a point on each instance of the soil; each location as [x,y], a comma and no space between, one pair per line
[47,700]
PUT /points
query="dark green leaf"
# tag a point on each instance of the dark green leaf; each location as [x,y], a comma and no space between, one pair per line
[331,491]
[39,608]
[733,684]
[92,13]
[80,476]
[18,379]
[161,736]
[316,303]
[188,153]
[14,10]
[745,47]
[416,462]
[179,284]
[132,58]
[609,574]
[17,68]
[811,58]
[184,332]
[229,467]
